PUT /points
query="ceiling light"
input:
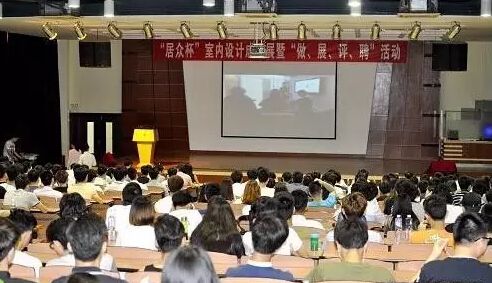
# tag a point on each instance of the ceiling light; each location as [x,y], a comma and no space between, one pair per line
[209,3]
[49,32]
[354,3]
[301,31]
[485,8]
[79,31]
[415,31]
[355,11]
[222,30]
[148,31]
[375,31]
[185,30]
[453,31]
[336,31]
[273,31]
[228,8]
[108,8]
[114,31]
[73,3]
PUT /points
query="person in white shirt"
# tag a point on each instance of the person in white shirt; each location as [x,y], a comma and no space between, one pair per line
[56,236]
[370,191]
[119,183]
[132,175]
[154,180]
[237,185]
[21,198]
[25,223]
[165,205]
[118,216]
[47,190]
[73,155]
[102,180]
[185,213]
[140,233]
[5,177]
[87,158]
[263,176]
[186,178]
[300,205]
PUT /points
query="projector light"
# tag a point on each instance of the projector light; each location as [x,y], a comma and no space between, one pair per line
[375,32]
[301,31]
[453,31]
[222,30]
[415,32]
[49,32]
[185,30]
[114,31]
[79,31]
[273,31]
[148,31]
[336,31]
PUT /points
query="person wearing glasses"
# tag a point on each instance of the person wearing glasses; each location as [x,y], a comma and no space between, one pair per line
[471,242]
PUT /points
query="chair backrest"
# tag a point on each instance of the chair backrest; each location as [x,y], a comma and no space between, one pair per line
[50,273]
[43,248]
[50,202]
[143,276]
[487,256]
[155,190]
[133,253]
[200,205]
[222,262]
[414,265]
[25,272]
[110,195]
[250,280]
[298,266]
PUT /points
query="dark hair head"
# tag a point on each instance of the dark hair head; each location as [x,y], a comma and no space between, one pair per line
[131,173]
[91,175]
[84,146]
[351,233]
[300,200]
[72,206]
[131,191]
[269,233]
[435,207]
[21,181]
[286,205]
[153,173]
[145,169]
[46,177]
[264,206]
[3,170]
[287,177]
[175,183]
[142,212]
[33,175]
[354,205]
[208,191]
[471,202]
[23,220]
[315,189]
[236,176]
[488,196]
[188,170]
[181,198]
[9,235]
[465,183]
[119,173]
[56,231]
[252,174]
[280,187]
[80,173]
[226,189]
[307,179]
[101,169]
[127,162]
[189,264]
[297,177]
[480,186]
[263,175]
[443,190]
[12,172]
[172,171]
[86,236]
[362,175]
[423,185]
[61,177]
[82,277]
[169,232]
[468,228]
[370,190]
[330,178]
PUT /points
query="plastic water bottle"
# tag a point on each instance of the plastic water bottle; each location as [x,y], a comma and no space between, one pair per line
[398,229]
[111,230]
[186,225]
[408,226]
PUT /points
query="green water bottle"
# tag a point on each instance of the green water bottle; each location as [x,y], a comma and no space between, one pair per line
[186,225]
[314,239]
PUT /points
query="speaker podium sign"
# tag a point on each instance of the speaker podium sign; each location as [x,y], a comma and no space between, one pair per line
[145,139]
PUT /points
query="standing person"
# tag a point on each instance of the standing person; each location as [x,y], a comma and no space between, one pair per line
[73,155]
[87,158]
[9,150]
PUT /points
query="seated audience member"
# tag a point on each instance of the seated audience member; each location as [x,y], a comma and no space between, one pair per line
[329,183]
[480,187]
[218,231]
[169,234]
[354,206]
[61,181]
[21,198]
[140,233]
[86,158]
[403,207]
[464,186]
[351,238]
[296,184]
[435,211]
[144,174]
[119,174]
[452,211]
[132,175]
[300,206]
[226,189]
[87,238]
[102,180]
[155,181]
[8,177]
[72,206]
[370,191]
[189,264]
[187,178]
[183,210]
[87,190]
[33,178]
[237,185]
[25,223]
[423,187]
[262,182]
[268,234]
[56,236]
[317,197]
[91,175]
[251,193]
[47,191]
[208,191]
[472,202]
[280,187]
[118,216]
[165,205]
[3,180]
[286,177]
[9,235]
[470,238]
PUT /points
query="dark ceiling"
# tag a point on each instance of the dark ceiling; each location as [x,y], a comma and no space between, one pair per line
[24,8]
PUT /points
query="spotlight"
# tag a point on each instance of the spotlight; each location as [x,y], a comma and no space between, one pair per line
[79,31]
[209,3]
[73,3]
[114,31]
[301,31]
[228,8]
[108,8]
[375,31]
[415,32]
[148,31]
[49,32]
[273,31]
[222,30]
[185,30]
[354,3]
[485,8]
[453,31]
[336,31]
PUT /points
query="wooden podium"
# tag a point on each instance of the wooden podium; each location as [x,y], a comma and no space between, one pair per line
[145,139]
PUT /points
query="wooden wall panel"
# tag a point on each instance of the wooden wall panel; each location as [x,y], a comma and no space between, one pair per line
[153,95]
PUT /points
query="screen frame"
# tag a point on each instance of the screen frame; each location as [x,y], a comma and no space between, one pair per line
[261,137]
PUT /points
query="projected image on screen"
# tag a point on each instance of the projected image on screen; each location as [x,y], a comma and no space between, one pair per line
[279,100]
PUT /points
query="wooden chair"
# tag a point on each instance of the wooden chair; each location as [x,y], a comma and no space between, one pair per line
[298,266]
[222,262]
[404,276]
[50,273]
[112,195]
[51,203]
[375,262]
[24,272]
[40,248]
[143,276]
[133,258]
[414,265]
[250,280]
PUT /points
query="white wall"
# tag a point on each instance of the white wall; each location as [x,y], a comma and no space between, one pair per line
[461,89]
[203,87]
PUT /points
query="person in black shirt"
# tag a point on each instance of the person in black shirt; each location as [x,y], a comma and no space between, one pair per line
[470,237]
[8,238]
[87,237]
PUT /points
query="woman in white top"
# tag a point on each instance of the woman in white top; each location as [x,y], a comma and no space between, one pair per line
[73,155]
[189,217]
[140,233]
